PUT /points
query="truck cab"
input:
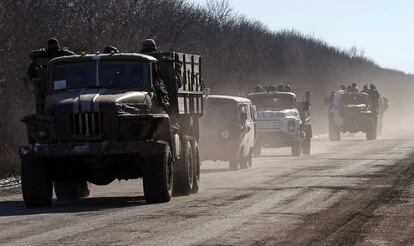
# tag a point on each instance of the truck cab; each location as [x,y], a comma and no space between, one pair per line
[228,130]
[282,122]
[114,116]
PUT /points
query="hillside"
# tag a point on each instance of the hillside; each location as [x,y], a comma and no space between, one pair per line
[238,52]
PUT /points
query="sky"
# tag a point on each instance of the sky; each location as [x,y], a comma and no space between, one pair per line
[384,29]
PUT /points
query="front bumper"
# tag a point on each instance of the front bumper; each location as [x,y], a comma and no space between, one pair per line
[141,148]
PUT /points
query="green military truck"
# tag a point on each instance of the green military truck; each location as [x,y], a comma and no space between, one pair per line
[114,116]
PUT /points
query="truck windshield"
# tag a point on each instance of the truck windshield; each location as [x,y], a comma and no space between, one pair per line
[110,74]
[273,101]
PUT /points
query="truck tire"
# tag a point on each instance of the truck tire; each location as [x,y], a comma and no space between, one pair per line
[196,180]
[297,148]
[257,150]
[184,171]
[306,146]
[71,190]
[158,177]
[334,133]
[37,185]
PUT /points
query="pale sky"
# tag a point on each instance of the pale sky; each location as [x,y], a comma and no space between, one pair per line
[384,29]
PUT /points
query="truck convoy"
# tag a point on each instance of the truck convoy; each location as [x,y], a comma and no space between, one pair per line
[228,131]
[352,112]
[282,121]
[109,116]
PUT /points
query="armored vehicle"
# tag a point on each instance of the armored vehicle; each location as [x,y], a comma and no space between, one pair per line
[115,116]
[282,121]
[351,112]
[228,131]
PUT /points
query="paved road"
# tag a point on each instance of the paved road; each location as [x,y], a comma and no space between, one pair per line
[350,192]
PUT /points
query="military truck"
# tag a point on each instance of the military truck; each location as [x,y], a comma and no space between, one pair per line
[282,121]
[351,112]
[115,116]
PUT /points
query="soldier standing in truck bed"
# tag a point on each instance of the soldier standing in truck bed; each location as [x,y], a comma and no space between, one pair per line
[37,67]
[40,58]
[149,47]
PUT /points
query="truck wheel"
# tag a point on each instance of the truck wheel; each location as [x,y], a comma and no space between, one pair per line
[306,146]
[71,190]
[257,150]
[297,148]
[334,133]
[184,172]
[37,185]
[196,180]
[158,177]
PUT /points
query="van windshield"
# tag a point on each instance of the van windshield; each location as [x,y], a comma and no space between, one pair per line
[220,110]
[104,74]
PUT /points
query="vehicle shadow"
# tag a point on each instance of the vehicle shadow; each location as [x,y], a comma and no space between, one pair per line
[17,207]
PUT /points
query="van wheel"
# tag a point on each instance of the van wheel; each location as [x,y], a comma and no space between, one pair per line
[184,172]
[37,185]
[71,190]
[296,148]
[196,180]
[158,177]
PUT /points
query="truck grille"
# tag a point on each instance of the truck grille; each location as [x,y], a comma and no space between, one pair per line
[269,125]
[87,124]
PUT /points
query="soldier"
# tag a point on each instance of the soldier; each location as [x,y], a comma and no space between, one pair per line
[365,89]
[258,88]
[110,49]
[37,67]
[149,46]
[39,58]
[288,88]
[374,98]
[354,88]
[280,87]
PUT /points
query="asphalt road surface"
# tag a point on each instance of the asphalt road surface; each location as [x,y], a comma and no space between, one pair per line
[352,192]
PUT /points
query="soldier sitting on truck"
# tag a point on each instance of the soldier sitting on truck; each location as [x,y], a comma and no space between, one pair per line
[53,50]
[149,47]
[37,67]
[110,49]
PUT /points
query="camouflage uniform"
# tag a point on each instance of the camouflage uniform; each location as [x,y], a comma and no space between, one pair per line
[37,67]
[149,47]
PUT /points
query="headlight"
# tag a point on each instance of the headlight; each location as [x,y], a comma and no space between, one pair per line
[291,126]
[225,134]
